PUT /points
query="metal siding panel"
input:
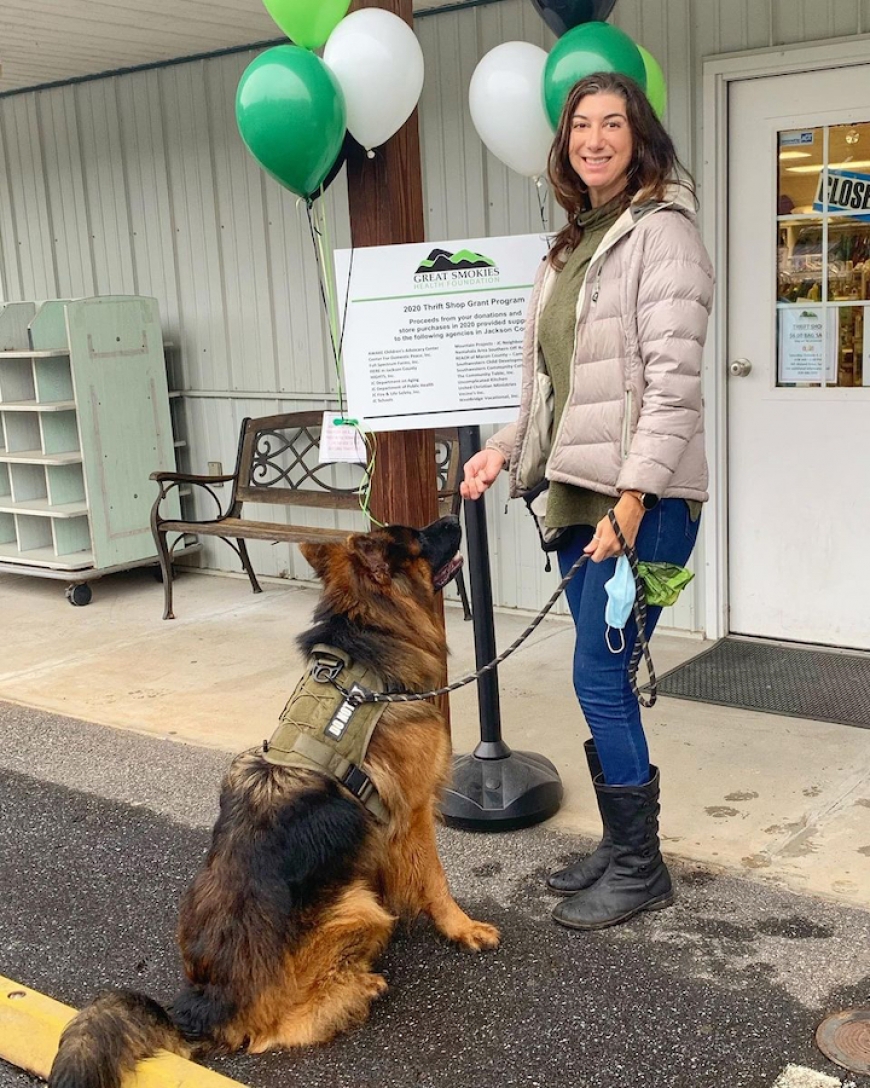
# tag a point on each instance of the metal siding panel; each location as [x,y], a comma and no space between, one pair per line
[818,20]
[241,220]
[758,24]
[788,20]
[148,199]
[11,280]
[198,253]
[845,17]
[105,188]
[38,279]
[628,16]
[676,57]
[733,30]
[66,193]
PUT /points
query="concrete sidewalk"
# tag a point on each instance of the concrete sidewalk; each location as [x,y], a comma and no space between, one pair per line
[784,800]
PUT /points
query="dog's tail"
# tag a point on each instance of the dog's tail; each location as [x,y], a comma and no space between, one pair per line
[118,1029]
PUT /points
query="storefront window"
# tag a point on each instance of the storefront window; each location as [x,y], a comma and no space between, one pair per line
[823,256]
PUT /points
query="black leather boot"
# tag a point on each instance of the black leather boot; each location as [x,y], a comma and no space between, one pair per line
[636,878]
[584,872]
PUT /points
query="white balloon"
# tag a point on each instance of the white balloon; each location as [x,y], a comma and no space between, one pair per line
[378,62]
[507,106]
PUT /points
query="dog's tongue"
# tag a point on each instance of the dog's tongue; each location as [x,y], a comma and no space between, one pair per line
[443,575]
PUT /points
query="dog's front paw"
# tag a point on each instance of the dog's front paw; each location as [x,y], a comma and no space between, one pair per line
[477,936]
[375,985]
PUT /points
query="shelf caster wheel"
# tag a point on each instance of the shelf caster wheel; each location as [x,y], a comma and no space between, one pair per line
[79,595]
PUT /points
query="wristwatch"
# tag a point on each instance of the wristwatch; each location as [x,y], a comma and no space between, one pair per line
[647,499]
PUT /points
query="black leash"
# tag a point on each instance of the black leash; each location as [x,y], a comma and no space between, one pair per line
[359,695]
[641,646]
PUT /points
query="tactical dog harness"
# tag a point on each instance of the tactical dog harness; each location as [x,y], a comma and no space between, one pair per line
[326,727]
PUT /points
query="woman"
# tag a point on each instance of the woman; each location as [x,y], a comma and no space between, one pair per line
[611,416]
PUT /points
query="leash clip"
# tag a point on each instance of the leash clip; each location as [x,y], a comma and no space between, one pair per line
[327,670]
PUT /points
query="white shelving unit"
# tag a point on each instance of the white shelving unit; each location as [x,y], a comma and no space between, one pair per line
[84,420]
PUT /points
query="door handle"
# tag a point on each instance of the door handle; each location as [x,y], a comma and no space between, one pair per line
[739,368]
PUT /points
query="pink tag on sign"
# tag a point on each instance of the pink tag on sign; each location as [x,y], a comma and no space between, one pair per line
[341,441]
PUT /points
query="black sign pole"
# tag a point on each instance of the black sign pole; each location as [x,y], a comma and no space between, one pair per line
[494,788]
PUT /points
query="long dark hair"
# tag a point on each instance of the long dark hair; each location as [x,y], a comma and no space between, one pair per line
[654,162]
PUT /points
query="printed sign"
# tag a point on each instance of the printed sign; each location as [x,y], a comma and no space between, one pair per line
[795,139]
[433,334]
[848,194]
[803,346]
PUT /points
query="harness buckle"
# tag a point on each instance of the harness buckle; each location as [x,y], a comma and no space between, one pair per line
[326,670]
[358,782]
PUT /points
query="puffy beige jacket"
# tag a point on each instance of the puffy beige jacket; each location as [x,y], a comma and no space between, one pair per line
[634,416]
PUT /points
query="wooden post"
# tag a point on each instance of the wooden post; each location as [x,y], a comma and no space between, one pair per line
[386,207]
[385,194]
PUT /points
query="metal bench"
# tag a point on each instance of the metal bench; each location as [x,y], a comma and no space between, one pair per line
[277,464]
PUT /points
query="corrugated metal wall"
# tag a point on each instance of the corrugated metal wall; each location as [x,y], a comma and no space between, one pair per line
[139,183]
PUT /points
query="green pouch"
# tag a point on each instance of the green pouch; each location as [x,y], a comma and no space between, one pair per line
[663,582]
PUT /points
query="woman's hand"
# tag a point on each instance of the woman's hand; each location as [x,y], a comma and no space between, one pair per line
[629,513]
[480,472]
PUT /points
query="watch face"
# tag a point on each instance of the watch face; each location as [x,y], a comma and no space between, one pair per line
[650,501]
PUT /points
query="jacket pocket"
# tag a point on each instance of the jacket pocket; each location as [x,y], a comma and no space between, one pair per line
[536,446]
[626,424]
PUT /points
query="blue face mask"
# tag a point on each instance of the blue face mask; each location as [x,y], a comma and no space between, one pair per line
[621,591]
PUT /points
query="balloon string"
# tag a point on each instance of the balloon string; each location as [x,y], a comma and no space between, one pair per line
[329,266]
[328,294]
[542,203]
[324,280]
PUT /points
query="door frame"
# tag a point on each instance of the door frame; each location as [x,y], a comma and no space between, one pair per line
[718,72]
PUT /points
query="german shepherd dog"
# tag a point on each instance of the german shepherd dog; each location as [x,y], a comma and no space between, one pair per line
[298,896]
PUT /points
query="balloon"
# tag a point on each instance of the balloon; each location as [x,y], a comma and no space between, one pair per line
[378,63]
[592,47]
[506,106]
[307,22]
[290,113]
[563,15]
[656,88]
[346,147]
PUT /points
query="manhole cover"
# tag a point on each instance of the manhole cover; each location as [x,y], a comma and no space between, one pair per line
[844,1037]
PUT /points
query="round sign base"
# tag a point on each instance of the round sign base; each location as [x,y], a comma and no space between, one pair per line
[517,790]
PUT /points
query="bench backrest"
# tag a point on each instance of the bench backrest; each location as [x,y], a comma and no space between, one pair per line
[278,463]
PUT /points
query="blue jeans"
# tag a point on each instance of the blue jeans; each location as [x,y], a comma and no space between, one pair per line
[667,534]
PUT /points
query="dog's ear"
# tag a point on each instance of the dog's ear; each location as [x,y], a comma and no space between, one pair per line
[370,553]
[318,556]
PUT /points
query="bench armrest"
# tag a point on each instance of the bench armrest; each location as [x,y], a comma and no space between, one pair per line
[188,478]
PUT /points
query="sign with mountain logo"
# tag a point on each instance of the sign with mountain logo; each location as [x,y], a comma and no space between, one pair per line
[433,335]
[442,260]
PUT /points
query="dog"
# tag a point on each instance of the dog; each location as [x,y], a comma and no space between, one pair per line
[302,887]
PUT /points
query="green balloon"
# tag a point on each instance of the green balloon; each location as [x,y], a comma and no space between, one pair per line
[656,88]
[290,112]
[307,22]
[588,48]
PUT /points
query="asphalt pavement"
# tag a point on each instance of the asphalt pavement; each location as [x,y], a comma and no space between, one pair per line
[100,831]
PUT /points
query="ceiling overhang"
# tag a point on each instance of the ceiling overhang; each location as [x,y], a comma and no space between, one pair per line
[44,42]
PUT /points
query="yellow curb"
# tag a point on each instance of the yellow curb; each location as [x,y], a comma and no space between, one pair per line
[30,1027]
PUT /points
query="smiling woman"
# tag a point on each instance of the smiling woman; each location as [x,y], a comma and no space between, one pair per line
[611,425]
[600,146]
